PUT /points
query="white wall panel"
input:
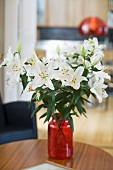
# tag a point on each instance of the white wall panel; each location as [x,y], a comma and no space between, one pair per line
[20,26]
[1,42]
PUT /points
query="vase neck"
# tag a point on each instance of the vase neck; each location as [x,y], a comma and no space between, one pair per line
[58,114]
[59,117]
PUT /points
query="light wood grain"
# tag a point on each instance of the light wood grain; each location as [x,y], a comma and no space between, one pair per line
[97,129]
[25,154]
[69,13]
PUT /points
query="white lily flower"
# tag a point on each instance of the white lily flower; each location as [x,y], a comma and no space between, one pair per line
[87,64]
[88,46]
[8,59]
[71,60]
[77,78]
[90,74]
[80,60]
[16,68]
[98,51]
[71,66]
[98,88]
[54,63]
[43,76]
[33,60]
[68,49]
[101,75]
[78,48]
[95,59]
[74,65]
[97,46]
[33,63]
[99,66]
[65,72]
[95,40]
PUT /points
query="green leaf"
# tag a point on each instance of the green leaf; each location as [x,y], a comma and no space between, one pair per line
[83,110]
[59,108]
[58,49]
[80,107]
[74,113]
[90,40]
[85,73]
[24,79]
[19,48]
[43,115]
[63,101]
[48,115]
[76,96]
[37,109]
[70,120]
[83,51]
[84,114]
[87,101]
[66,113]
[61,95]
[52,107]
[82,92]
[95,69]
[50,110]
[84,84]
[85,91]
[44,96]
[53,95]
[57,84]
[33,98]
[93,95]
[67,89]
[38,89]
[41,96]
[56,118]
[52,102]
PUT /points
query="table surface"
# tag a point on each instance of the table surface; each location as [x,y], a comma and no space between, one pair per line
[25,154]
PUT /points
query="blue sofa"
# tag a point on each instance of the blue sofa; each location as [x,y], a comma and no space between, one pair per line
[16,123]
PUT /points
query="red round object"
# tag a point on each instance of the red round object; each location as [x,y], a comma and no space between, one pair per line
[60,139]
[93,26]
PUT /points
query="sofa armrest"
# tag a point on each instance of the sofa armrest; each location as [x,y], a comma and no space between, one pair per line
[19,114]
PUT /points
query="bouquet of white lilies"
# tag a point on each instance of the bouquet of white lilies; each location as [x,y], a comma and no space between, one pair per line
[63,82]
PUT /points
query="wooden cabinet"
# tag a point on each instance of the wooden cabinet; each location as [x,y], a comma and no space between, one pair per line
[69,13]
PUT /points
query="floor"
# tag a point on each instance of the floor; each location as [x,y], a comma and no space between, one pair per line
[97,129]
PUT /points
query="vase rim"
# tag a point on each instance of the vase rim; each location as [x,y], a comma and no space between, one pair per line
[59,116]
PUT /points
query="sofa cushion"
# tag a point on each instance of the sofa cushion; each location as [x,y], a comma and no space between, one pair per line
[13,133]
[2,115]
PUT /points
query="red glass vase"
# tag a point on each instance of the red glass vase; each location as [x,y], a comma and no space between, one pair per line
[60,139]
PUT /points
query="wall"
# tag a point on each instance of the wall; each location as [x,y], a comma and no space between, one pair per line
[20,26]
[1,41]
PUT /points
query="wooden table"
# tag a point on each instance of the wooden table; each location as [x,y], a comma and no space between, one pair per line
[24,154]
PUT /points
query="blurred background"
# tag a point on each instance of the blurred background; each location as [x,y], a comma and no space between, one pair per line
[42,24]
